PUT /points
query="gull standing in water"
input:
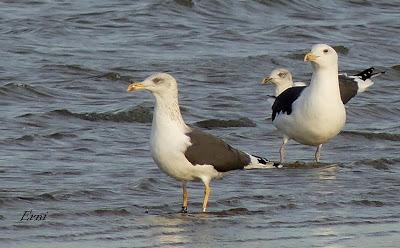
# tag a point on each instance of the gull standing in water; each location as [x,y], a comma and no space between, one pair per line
[314,114]
[186,153]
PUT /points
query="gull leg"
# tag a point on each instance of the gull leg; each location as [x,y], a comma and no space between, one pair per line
[318,153]
[207,191]
[185,198]
[282,149]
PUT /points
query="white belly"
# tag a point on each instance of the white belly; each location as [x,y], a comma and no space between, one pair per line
[169,142]
[168,153]
[312,124]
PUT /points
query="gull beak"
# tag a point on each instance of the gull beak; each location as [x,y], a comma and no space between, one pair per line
[266,80]
[310,57]
[135,86]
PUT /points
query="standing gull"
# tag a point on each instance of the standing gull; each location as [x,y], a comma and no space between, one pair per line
[314,114]
[186,153]
[349,86]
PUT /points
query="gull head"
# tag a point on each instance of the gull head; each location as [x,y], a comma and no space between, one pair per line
[322,56]
[279,76]
[159,83]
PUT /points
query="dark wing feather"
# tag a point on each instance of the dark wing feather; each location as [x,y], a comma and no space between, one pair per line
[365,74]
[284,101]
[348,88]
[208,149]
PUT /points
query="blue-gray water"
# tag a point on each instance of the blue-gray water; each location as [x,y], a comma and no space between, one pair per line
[75,144]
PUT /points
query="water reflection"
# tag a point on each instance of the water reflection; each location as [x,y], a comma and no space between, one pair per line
[183,229]
[169,230]
[328,173]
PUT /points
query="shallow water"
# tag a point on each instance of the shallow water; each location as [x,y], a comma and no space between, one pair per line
[75,144]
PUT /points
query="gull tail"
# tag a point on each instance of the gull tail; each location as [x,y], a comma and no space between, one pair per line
[369,73]
[365,74]
[363,78]
[257,162]
[376,74]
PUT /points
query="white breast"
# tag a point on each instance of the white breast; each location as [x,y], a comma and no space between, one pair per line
[315,118]
[168,144]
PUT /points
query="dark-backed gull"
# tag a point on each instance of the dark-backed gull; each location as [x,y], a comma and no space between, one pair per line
[186,153]
[314,114]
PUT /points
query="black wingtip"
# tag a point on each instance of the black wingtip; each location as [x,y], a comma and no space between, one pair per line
[377,74]
[278,165]
[368,73]
[260,159]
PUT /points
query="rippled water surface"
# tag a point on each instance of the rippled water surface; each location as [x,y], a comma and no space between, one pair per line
[74,144]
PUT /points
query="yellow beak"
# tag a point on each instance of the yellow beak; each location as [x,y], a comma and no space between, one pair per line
[135,86]
[266,80]
[310,57]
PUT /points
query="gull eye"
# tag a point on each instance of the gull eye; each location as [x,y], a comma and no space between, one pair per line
[326,51]
[157,80]
[282,74]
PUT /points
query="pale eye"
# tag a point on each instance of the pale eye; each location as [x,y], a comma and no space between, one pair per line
[326,51]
